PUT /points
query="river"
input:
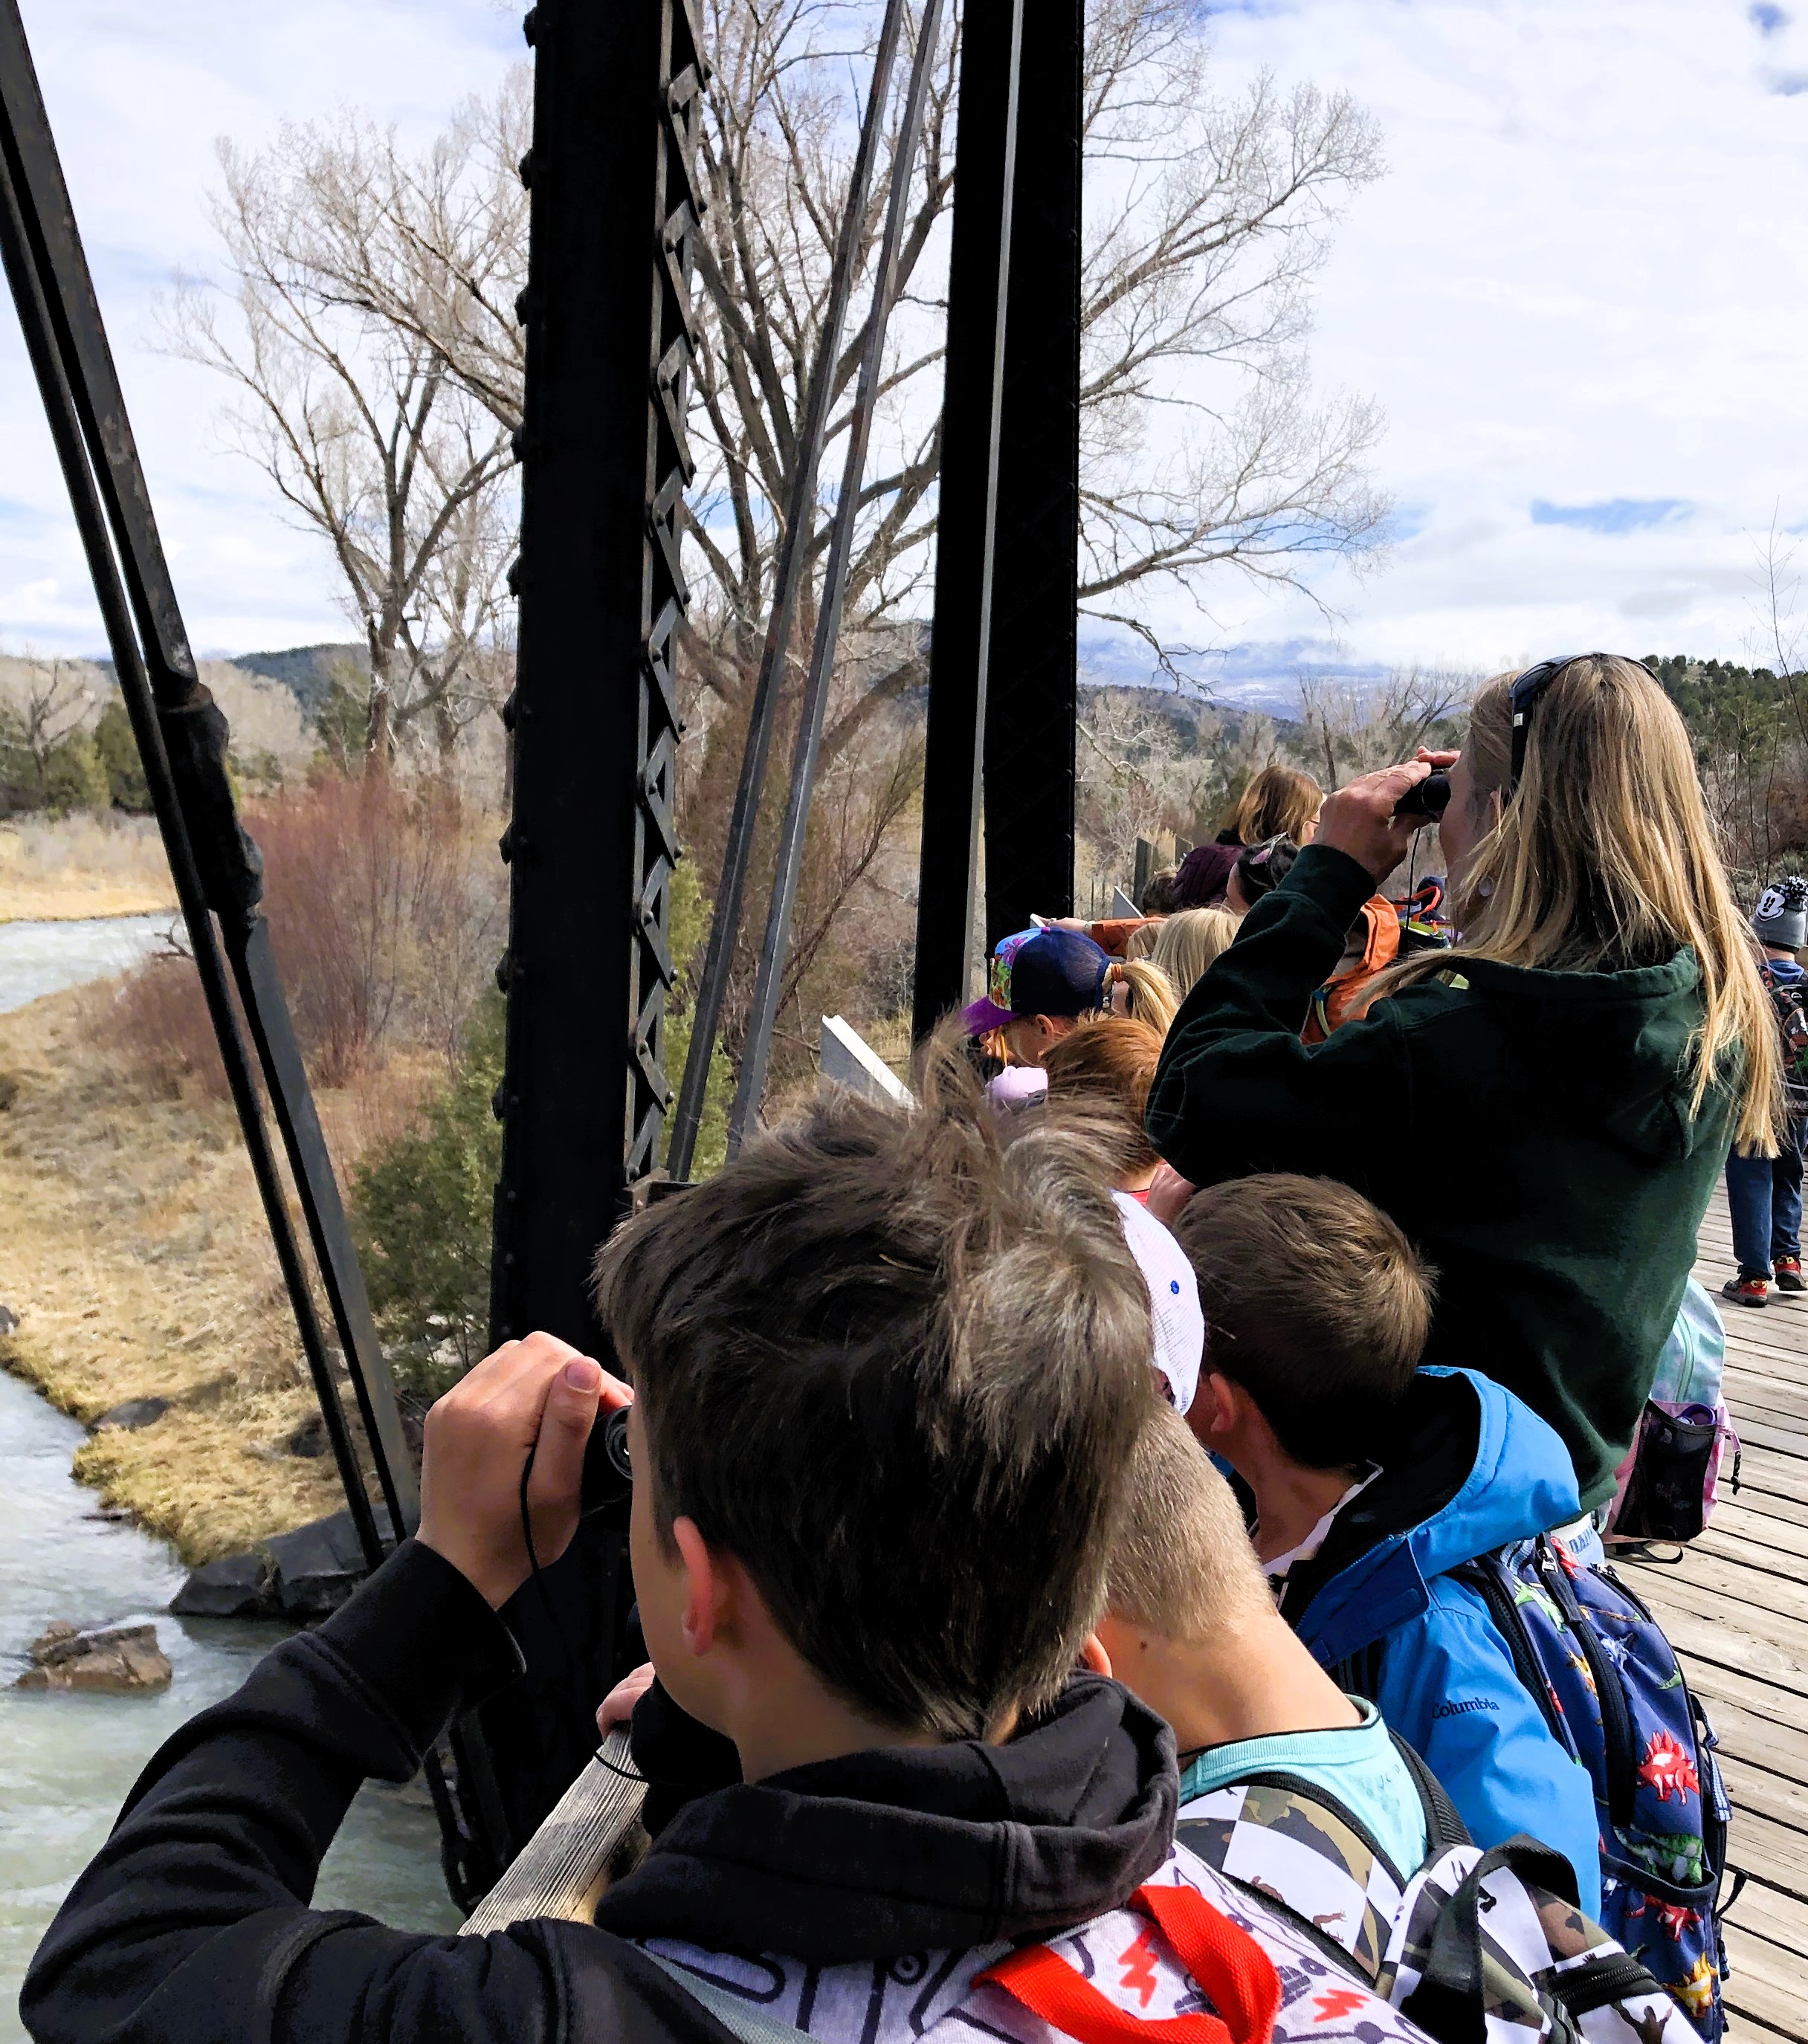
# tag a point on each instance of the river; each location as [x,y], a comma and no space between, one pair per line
[37,958]
[67,1761]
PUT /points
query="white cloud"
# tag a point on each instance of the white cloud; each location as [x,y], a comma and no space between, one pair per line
[1580,284]
[137,91]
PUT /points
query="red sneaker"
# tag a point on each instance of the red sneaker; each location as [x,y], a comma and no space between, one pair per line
[1789,1274]
[1749,1290]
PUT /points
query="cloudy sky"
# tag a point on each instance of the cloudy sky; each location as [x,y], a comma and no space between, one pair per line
[1581,294]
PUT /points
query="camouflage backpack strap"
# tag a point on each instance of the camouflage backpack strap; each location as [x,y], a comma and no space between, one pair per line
[1293,1844]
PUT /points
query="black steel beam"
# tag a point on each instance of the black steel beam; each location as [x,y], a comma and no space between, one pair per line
[986,153]
[596,725]
[1032,704]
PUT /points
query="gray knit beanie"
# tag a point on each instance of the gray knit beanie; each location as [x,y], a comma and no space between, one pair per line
[1781,917]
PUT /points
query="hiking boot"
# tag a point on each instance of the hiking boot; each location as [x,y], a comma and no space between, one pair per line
[1749,1290]
[1789,1274]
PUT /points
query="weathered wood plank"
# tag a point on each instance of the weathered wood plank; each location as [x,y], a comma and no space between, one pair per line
[563,1868]
[1757,1515]
[1770,1410]
[1756,1790]
[1760,1385]
[1781,1918]
[1760,1558]
[1773,1476]
[1746,1702]
[1717,1637]
[1772,1853]
[1758,1432]
[1777,1607]
[1766,1986]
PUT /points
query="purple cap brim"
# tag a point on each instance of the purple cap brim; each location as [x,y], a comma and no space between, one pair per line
[982,1016]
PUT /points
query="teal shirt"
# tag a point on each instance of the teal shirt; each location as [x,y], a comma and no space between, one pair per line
[1358,1768]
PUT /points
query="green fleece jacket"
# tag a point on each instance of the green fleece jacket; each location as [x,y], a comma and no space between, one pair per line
[1530,1131]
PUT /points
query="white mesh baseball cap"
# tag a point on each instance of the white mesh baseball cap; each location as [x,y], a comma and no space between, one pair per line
[1174,1299]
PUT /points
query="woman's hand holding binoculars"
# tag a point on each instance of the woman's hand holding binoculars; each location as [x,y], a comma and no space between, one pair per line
[1366,820]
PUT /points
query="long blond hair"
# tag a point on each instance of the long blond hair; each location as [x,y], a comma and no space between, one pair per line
[1603,856]
[1190,940]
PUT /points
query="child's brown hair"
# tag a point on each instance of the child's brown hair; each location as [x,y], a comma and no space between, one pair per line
[1315,1303]
[897,1369]
[1106,1066]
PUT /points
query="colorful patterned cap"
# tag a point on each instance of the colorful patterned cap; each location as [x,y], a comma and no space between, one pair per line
[1040,972]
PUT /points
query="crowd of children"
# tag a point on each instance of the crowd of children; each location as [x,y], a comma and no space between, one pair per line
[1062,1624]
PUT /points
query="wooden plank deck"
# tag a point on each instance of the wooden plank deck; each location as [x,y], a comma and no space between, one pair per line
[1735,1608]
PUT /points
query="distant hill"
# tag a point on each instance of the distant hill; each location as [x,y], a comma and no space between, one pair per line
[306,671]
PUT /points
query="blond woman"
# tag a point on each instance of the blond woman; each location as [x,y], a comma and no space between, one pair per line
[1544,1109]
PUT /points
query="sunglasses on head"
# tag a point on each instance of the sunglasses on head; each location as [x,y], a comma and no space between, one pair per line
[1525,695]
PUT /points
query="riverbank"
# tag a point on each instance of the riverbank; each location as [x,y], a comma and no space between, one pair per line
[133,1251]
[74,867]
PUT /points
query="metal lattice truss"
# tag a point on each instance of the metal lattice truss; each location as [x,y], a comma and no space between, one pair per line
[670,468]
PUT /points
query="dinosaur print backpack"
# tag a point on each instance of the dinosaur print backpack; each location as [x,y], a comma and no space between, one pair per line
[1611,1689]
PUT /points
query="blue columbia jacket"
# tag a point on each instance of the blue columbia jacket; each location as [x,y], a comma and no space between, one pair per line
[1475,1468]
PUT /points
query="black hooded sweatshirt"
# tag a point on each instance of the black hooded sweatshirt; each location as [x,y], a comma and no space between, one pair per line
[192,1925]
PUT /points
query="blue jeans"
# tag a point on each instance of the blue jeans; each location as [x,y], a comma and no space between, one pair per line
[1764,1195]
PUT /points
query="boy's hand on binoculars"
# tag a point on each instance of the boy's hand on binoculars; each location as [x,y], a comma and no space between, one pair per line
[541,1396]
[1360,818]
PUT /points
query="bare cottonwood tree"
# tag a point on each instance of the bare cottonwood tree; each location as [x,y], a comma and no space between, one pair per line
[1201,447]
[1204,452]
[1353,727]
[43,704]
[368,439]
[1150,764]
[1208,217]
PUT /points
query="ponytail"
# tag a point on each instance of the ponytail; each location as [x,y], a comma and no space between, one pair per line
[1151,991]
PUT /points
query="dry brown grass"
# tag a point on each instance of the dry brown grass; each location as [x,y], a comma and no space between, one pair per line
[55,871]
[133,1249]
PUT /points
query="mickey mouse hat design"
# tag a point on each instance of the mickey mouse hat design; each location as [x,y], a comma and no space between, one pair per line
[1781,917]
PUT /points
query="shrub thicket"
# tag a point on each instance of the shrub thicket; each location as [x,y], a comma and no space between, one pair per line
[420,1213]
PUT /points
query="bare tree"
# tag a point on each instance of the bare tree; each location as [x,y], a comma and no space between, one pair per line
[43,703]
[1150,764]
[1205,452]
[366,436]
[1207,220]
[1353,728]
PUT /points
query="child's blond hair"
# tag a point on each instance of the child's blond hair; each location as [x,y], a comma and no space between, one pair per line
[1182,1565]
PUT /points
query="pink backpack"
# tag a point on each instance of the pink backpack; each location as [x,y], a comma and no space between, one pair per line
[1670,1480]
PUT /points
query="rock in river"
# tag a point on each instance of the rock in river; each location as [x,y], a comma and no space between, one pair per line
[120,1661]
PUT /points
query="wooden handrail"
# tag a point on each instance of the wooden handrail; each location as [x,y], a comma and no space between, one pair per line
[563,1868]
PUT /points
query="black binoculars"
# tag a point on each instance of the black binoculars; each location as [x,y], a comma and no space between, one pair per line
[608,1480]
[1429,798]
